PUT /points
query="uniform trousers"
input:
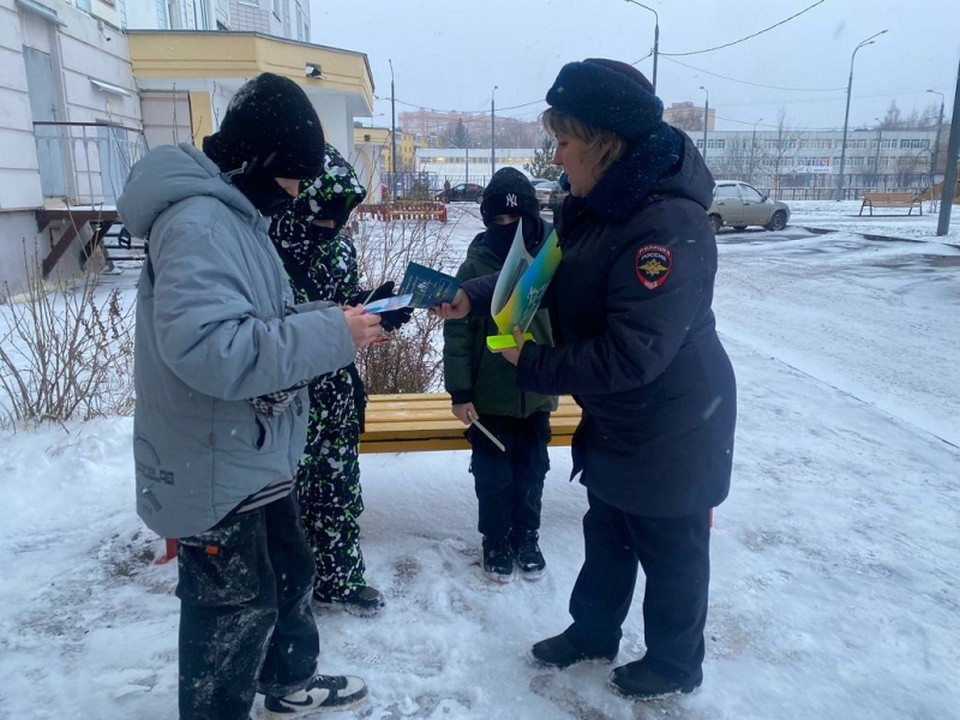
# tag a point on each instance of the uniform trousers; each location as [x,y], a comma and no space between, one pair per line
[675,556]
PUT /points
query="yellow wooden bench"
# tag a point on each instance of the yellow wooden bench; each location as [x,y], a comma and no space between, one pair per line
[891,199]
[419,422]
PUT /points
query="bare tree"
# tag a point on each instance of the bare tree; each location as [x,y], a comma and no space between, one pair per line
[781,152]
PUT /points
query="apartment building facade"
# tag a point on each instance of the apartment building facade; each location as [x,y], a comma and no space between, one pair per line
[88,85]
[799,164]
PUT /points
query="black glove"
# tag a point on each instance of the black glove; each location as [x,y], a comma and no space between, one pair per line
[391,319]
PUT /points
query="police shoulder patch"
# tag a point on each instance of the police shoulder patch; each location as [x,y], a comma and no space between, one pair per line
[653,265]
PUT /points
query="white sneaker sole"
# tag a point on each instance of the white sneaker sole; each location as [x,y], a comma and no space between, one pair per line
[307,714]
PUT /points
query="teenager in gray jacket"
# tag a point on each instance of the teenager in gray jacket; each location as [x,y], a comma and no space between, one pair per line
[222,360]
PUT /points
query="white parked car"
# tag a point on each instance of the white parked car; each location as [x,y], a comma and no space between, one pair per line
[549,194]
[739,204]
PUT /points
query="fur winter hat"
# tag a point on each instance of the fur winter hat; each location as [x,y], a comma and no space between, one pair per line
[607,94]
[271,126]
[509,193]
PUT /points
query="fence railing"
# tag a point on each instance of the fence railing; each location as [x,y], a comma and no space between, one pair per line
[86,163]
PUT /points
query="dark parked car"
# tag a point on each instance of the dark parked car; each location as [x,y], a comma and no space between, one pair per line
[740,204]
[461,192]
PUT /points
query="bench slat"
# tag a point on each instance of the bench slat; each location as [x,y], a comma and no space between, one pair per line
[423,421]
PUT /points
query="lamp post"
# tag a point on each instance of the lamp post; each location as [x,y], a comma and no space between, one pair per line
[936,143]
[393,136]
[706,117]
[876,159]
[950,171]
[846,115]
[466,152]
[493,134]
[753,146]
[656,39]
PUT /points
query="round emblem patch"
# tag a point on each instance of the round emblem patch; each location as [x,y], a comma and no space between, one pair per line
[653,265]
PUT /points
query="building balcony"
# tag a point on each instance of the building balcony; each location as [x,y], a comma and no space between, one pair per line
[84,163]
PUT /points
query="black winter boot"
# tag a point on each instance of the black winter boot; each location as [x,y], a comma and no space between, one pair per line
[526,550]
[638,681]
[497,559]
[559,652]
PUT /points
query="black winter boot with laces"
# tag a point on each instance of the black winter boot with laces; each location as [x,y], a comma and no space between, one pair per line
[497,559]
[526,550]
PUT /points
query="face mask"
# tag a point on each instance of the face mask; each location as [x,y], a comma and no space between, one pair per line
[499,237]
[326,233]
[266,196]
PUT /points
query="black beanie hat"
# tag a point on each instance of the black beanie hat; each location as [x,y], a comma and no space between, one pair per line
[509,193]
[607,94]
[271,126]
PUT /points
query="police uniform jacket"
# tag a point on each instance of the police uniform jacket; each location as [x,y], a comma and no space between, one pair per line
[636,342]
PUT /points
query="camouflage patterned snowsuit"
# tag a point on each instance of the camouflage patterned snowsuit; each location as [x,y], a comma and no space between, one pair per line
[322,265]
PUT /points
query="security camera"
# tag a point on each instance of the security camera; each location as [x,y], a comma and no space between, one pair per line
[313,71]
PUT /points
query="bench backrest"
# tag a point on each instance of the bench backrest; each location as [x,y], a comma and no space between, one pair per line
[890,197]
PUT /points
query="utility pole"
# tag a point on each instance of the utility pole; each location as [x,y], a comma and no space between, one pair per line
[950,174]
[934,156]
[876,160]
[393,136]
[493,135]
[706,117]
[656,40]
[753,147]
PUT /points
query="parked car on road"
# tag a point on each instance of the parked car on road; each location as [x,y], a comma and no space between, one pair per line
[549,193]
[739,204]
[461,192]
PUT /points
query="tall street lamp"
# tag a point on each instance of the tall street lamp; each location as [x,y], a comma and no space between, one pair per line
[936,143]
[876,159]
[656,39]
[949,189]
[706,117]
[493,134]
[393,135]
[846,115]
[753,147]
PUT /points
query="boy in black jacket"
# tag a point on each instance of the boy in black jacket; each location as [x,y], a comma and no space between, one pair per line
[482,385]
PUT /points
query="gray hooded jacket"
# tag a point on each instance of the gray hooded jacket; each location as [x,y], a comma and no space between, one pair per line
[213,329]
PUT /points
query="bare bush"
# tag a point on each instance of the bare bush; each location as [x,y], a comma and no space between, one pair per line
[65,352]
[411,362]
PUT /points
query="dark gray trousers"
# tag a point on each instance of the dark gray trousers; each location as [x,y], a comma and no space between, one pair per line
[246,625]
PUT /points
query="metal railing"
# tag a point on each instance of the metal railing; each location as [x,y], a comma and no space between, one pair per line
[86,163]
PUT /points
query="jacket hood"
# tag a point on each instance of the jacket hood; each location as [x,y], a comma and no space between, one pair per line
[171,173]
[676,168]
[692,179]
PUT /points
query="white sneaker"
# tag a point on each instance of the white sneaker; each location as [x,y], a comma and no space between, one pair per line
[325,693]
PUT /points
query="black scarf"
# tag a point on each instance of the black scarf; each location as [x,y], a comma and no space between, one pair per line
[626,185]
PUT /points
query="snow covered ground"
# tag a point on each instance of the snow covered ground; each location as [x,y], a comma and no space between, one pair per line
[886,222]
[836,559]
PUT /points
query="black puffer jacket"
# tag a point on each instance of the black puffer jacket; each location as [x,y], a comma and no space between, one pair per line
[636,342]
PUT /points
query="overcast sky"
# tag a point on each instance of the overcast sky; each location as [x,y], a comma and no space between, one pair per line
[449,54]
